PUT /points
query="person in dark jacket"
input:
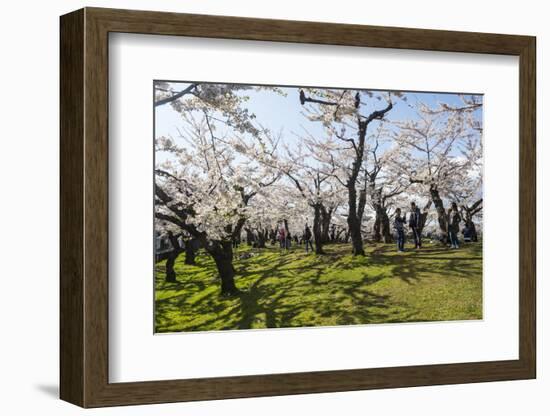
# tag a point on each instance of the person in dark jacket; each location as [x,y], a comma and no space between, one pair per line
[307,238]
[453,221]
[414,224]
[399,225]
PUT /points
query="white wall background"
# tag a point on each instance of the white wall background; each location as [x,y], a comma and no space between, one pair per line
[29,212]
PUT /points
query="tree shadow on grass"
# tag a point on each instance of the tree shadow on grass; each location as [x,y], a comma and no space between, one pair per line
[297,290]
[400,267]
[439,258]
[412,266]
[198,305]
[303,293]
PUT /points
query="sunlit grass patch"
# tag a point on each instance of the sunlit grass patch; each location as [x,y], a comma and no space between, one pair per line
[295,289]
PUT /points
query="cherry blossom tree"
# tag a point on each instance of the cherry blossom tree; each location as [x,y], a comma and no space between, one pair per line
[306,179]
[225,174]
[382,182]
[346,115]
[441,152]
[203,190]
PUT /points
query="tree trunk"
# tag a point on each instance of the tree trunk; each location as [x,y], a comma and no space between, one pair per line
[423,218]
[385,223]
[347,236]
[354,224]
[355,217]
[249,236]
[355,214]
[189,253]
[222,253]
[171,258]
[470,211]
[474,231]
[362,204]
[376,234]
[261,239]
[326,217]
[441,215]
[470,224]
[356,239]
[381,227]
[170,272]
[317,229]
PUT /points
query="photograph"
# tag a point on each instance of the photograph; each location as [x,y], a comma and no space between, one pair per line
[280,206]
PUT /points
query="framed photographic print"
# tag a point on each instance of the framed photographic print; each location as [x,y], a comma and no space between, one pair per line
[256,207]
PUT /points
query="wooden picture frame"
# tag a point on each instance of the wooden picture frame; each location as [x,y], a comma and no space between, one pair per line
[84,207]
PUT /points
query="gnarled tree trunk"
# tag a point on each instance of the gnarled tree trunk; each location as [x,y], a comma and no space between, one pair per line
[441,215]
[170,272]
[376,234]
[317,229]
[249,236]
[171,258]
[381,228]
[190,253]
[222,253]
[474,231]
[423,218]
[262,237]
[470,212]
[385,223]
[361,205]
[326,217]
[354,224]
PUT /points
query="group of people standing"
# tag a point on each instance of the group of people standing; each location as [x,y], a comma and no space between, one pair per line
[284,238]
[414,220]
[415,224]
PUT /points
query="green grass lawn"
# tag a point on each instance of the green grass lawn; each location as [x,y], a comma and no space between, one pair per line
[296,289]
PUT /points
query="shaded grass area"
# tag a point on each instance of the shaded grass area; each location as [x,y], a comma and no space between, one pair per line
[296,289]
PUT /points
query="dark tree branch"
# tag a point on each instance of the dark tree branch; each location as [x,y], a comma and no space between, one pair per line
[166,200]
[379,114]
[176,96]
[171,219]
[476,204]
[270,182]
[305,99]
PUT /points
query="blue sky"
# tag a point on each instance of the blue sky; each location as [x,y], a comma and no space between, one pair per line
[277,112]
